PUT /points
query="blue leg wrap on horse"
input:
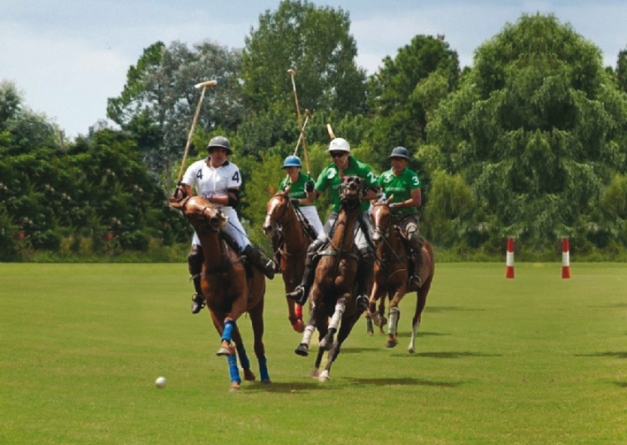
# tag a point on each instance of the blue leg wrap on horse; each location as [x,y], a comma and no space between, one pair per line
[243,357]
[232,360]
[263,369]
[227,333]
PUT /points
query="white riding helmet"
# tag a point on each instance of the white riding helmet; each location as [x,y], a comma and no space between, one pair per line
[339,144]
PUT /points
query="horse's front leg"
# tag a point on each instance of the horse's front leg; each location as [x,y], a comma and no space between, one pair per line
[243,356]
[395,314]
[340,307]
[256,318]
[346,327]
[303,348]
[238,307]
[221,327]
[421,301]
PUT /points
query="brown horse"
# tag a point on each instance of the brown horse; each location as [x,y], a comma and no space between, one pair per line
[281,216]
[391,275]
[334,287]
[229,289]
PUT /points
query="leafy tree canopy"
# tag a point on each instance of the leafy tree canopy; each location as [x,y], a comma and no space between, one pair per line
[537,128]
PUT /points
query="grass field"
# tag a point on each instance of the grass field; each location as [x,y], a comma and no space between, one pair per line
[534,360]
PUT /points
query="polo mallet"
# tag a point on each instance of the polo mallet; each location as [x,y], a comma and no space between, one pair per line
[330,131]
[301,126]
[202,86]
[301,136]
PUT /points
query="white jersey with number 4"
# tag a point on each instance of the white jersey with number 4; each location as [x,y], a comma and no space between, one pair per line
[209,181]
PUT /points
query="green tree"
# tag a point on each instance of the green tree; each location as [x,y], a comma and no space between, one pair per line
[159,100]
[537,129]
[407,88]
[315,41]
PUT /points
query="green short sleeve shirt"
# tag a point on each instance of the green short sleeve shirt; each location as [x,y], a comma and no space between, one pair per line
[400,187]
[329,178]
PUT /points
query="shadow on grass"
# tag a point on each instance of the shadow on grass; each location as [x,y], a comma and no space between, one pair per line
[405,381]
[604,354]
[450,354]
[621,384]
[420,334]
[349,350]
[438,309]
[284,387]
[612,306]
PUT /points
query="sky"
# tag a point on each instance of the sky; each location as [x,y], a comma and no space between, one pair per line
[67,57]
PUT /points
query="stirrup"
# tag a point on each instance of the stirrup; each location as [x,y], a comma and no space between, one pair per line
[415,280]
[298,295]
[268,269]
[362,302]
[198,302]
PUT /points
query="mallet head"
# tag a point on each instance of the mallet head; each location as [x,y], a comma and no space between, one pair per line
[206,84]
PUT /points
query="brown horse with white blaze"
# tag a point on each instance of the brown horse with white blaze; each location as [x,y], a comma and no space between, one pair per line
[229,289]
[333,293]
[281,216]
[391,275]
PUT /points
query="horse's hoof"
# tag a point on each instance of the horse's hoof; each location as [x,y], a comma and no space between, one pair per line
[391,344]
[234,387]
[266,382]
[411,350]
[299,326]
[302,350]
[315,373]
[249,376]
[224,352]
[324,376]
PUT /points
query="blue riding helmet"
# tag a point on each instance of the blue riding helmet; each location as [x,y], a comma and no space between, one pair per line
[292,161]
[399,152]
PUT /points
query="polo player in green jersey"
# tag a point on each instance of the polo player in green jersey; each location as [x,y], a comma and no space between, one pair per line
[330,179]
[300,183]
[402,187]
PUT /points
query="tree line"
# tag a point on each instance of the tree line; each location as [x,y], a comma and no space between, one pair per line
[529,142]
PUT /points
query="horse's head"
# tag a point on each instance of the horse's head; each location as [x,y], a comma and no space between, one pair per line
[201,214]
[352,191]
[277,211]
[381,221]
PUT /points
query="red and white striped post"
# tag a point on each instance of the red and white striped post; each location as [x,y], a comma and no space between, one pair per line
[509,259]
[565,258]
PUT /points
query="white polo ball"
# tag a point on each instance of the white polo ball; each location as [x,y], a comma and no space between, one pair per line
[160,382]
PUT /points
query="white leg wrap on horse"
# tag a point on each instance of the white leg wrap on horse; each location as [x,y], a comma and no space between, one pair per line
[337,316]
[307,334]
[394,311]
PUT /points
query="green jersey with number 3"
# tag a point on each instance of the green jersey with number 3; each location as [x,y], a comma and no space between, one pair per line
[400,187]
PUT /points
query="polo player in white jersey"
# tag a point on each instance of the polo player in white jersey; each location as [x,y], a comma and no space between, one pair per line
[218,180]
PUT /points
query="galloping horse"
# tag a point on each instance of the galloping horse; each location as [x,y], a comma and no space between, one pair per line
[391,274]
[333,291]
[281,216]
[229,289]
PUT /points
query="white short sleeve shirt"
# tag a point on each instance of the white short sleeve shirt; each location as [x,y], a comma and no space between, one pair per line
[209,181]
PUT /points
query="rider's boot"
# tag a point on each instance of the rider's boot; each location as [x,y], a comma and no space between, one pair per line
[194,262]
[364,278]
[259,259]
[301,292]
